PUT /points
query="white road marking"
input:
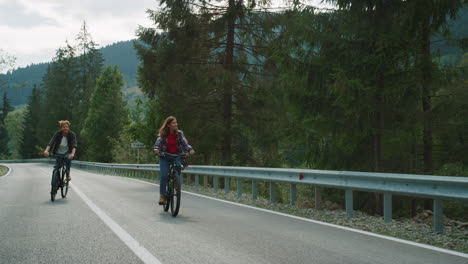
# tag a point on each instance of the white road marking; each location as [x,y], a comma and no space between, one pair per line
[132,243]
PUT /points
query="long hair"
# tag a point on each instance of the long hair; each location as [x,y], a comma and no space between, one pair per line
[164,130]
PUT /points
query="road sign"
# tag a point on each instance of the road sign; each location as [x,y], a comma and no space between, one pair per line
[138,145]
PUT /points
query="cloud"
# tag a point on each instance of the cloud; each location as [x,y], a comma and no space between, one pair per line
[14,15]
[32,30]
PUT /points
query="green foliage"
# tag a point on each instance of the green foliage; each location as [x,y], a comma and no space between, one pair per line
[18,83]
[14,125]
[4,138]
[30,134]
[123,54]
[59,84]
[207,56]
[6,60]
[106,117]
[453,169]
[90,64]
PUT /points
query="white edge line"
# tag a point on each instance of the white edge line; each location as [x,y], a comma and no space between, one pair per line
[8,173]
[134,245]
[452,252]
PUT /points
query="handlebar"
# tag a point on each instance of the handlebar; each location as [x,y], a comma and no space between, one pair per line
[57,155]
[163,154]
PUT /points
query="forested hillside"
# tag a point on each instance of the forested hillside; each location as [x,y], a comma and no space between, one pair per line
[18,83]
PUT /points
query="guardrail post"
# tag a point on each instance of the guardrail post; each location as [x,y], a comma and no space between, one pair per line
[205,181]
[197,180]
[254,189]
[349,203]
[387,206]
[216,183]
[227,181]
[438,217]
[239,187]
[272,192]
[318,197]
[292,193]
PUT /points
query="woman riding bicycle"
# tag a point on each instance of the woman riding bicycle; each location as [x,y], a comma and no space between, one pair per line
[64,144]
[170,140]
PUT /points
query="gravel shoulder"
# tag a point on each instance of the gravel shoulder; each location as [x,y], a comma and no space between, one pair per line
[3,170]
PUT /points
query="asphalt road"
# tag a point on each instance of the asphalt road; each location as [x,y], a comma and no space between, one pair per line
[108,219]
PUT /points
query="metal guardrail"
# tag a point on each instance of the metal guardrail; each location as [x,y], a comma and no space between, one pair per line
[435,187]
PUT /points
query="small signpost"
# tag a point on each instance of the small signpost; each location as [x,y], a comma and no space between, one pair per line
[138,146]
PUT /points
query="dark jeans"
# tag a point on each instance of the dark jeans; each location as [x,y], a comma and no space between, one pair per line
[164,163]
[64,160]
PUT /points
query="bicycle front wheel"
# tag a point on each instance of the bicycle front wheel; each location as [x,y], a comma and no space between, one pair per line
[175,199]
[168,195]
[63,185]
[54,184]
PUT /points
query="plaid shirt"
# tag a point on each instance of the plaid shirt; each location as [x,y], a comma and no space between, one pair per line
[182,143]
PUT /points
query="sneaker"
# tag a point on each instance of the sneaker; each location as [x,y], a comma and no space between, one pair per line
[162,199]
[68,177]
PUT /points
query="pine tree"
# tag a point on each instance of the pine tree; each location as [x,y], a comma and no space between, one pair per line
[90,63]
[4,139]
[107,116]
[31,140]
[423,23]
[59,84]
[208,54]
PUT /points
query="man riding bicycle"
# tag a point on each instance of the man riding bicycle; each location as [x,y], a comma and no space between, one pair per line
[64,144]
[170,140]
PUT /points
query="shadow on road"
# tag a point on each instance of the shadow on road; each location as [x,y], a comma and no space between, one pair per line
[166,217]
[58,201]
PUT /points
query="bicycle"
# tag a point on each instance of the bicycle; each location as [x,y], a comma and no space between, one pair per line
[173,190]
[58,178]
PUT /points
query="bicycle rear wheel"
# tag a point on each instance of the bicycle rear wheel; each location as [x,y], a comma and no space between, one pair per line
[175,198]
[63,184]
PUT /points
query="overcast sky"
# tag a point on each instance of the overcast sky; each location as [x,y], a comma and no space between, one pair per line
[32,30]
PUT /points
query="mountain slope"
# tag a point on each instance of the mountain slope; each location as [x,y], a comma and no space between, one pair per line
[19,83]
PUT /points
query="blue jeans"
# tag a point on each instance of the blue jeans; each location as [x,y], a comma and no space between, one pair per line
[64,160]
[164,163]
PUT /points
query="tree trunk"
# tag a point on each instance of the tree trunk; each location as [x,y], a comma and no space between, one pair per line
[228,84]
[426,97]
[378,135]
[426,103]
